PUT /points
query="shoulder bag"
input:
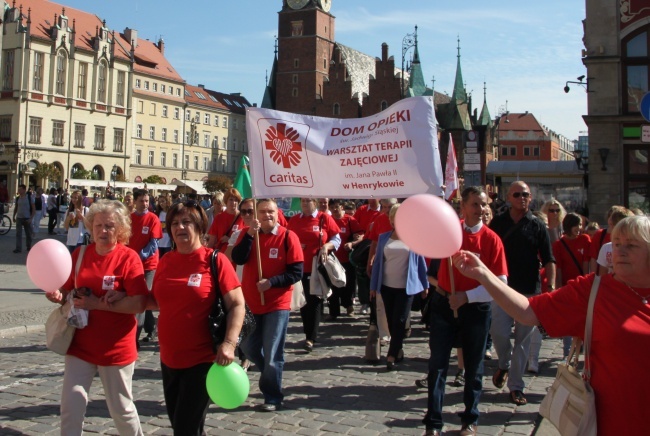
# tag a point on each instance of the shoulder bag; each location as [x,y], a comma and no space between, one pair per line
[58,333]
[570,404]
[298,299]
[218,318]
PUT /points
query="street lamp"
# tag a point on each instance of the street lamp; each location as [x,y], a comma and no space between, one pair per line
[114,176]
[409,41]
[582,160]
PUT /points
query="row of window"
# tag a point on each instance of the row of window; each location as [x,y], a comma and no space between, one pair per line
[60,77]
[58,134]
[207,117]
[218,163]
[512,151]
[208,140]
[144,84]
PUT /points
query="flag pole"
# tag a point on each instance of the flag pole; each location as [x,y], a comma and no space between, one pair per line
[257,250]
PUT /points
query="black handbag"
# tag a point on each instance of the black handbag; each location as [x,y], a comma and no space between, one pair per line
[218,318]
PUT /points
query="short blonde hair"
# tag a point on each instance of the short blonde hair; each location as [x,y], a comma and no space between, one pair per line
[634,227]
[118,210]
[554,202]
[392,212]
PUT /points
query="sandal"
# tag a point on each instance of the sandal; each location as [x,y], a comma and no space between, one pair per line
[518,398]
[500,378]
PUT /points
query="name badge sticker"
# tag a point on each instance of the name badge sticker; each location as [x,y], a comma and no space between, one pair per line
[316,229]
[145,230]
[194,280]
[273,253]
[108,283]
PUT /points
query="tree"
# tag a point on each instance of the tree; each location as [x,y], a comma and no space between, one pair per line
[83,174]
[154,179]
[47,171]
[217,183]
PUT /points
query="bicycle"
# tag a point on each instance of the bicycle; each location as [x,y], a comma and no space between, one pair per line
[5,221]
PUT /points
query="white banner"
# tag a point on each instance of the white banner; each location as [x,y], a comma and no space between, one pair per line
[391,154]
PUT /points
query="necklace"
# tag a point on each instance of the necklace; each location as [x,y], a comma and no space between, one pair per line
[644,300]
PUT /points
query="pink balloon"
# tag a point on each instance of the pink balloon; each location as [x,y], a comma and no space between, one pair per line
[429,226]
[49,264]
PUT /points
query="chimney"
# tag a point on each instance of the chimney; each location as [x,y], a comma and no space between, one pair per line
[161,46]
[201,86]
[131,35]
[384,52]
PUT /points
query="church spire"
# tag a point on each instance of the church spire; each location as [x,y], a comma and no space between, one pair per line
[416,79]
[459,95]
[485,119]
[268,100]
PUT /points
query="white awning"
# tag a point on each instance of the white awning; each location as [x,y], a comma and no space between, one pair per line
[194,185]
[90,183]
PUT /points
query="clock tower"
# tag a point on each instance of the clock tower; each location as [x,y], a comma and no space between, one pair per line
[305,45]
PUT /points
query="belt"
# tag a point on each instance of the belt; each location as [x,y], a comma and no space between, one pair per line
[441,292]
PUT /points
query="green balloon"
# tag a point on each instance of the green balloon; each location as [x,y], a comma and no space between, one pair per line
[227,386]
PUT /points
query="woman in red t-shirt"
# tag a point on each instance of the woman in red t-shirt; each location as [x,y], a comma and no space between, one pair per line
[107,344]
[620,342]
[227,222]
[183,291]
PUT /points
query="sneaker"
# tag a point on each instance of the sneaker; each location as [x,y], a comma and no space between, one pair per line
[17,251]
[365,309]
[460,378]
[422,383]
[350,310]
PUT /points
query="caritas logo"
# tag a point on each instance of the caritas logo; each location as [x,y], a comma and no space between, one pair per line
[286,162]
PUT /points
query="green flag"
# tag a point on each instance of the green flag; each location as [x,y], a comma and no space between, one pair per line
[243,179]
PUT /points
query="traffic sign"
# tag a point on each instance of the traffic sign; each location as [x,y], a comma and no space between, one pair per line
[644,106]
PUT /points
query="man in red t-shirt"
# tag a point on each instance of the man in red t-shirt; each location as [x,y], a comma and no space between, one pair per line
[282,263]
[351,235]
[367,213]
[145,233]
[471,301]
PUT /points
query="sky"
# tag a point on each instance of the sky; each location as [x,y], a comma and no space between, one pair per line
[523,51]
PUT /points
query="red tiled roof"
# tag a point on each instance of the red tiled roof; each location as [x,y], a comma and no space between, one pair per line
[193,98]
[149,59]
[520,122]
[160,95]
[233,102]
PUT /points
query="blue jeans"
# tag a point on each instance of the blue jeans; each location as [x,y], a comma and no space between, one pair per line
[473,324]
[265,348]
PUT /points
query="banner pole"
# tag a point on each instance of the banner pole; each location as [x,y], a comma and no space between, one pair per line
[257,249]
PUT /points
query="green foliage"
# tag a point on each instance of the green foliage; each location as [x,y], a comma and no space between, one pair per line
[217,183]
[84,174]
[154,179]
[48,171]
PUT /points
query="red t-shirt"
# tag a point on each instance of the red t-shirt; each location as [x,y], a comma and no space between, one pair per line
[579,247]
[349,227]
[109,337]
[620,346]
[274,257]
[225,224]
[596,242]
[380,225]
[307,229]
[488,247]
[364,215]
[183,289]
[144,228]
[282,220]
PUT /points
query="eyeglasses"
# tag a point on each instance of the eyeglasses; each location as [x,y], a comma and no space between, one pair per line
[554,210]
[521,194]
[247,211]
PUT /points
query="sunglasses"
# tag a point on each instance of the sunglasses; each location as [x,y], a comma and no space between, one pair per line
[521,194]
[191,203]
[247,211]
[554,210]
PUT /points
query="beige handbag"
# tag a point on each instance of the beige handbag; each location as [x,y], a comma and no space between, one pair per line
[570,404]
[58,333]
[298,296]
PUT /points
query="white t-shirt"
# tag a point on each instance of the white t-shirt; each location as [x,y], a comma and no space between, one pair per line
[605,257]
[165,241]
[76,234]
[396,263]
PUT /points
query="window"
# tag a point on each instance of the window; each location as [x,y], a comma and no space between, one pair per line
[188,115]
[225,123]
[206,119]
[196,162]
[164,134]
[526,151]
[35,130]
[187,138]
[155,87]
[234,144]
[152,132]
[100,133]
[177,113]
[178,92]
[224,142]
[535,151]
[150,160]
[176,136]
[294,79]
[101,82]
[37,84]
[504,151]
[57,132]
[152,109]
[384,105]
[118,140]
[513,151]
[234,123]
[294,92]
[162,88]
[215,142]
[206,164]
[5,129]
[197,117]
[140,106]
[214,164]
[121,86]
[60,73]
[635,69]
[171,90]
[8,70]
[199,95]
[296,63]
[186,164]
[146,85]
[175,160]
[206,140]
[216,121]
[138,157]
[137,83]
[79,135]
[163,158]
[164,110]
[337,109]
[138,131]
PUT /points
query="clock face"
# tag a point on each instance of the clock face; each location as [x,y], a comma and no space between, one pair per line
[297,4]
[325,5]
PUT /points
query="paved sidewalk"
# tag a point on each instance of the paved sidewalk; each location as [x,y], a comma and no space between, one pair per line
[331,391]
